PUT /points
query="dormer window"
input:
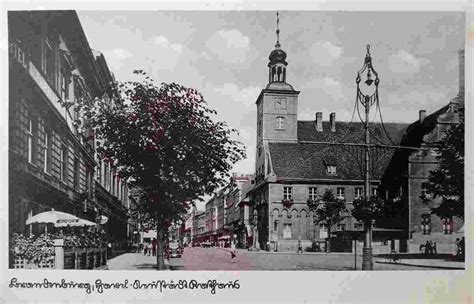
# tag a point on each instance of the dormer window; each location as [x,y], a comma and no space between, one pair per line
[331,170]
[280,123]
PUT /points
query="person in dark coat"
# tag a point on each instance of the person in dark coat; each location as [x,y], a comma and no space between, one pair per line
[153,246]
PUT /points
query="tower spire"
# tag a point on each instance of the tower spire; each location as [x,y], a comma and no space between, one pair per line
[277,45]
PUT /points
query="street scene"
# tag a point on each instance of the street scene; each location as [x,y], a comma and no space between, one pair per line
[236,140]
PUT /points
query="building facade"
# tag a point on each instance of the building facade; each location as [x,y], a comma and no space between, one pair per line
[199,228]
[237,224]
[298,160]
[404,182]
[52,161]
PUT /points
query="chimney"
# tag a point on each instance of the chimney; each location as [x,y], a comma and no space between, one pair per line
[319,121]
[332,120]
[422,116]
[461,72]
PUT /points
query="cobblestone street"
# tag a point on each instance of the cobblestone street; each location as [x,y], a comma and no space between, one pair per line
[219,259]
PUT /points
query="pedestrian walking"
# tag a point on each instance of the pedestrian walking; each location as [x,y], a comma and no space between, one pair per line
[109,250]
[458,247]
[233,254]
[153,247]
[300,246]
[433,245]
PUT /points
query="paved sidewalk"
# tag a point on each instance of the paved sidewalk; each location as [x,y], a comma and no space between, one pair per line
[133,261]
[425,263]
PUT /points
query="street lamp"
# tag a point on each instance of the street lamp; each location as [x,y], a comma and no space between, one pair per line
[367,99]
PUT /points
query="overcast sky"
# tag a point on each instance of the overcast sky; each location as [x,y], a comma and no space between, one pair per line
[225,55]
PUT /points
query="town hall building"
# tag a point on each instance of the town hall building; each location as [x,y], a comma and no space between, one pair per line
[298,160]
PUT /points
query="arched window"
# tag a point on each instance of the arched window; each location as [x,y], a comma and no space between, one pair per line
[274,74]
[284,75]
[279,74]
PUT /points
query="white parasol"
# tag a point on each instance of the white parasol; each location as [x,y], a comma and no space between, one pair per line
[54,217]
[78,223]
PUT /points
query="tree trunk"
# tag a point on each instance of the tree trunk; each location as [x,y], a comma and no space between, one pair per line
[160,249]
[328,247]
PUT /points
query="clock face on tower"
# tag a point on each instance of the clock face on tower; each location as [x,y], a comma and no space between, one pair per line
[280,103]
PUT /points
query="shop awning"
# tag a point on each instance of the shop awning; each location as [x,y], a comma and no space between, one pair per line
[224,237]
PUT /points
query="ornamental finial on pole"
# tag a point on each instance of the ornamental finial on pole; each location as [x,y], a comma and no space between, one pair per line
[277,45]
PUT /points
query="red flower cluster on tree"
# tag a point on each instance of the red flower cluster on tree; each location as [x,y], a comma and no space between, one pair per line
[132,117]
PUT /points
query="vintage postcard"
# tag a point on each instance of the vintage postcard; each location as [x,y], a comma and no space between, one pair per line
[162,153]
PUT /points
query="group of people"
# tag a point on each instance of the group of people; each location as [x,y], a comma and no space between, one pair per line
[429,248]
[149,248]
[460,247]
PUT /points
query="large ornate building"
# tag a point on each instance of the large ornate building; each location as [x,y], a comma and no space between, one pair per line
[52,162]
[298,160]
[404,182]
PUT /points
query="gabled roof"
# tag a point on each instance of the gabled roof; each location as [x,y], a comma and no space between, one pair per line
[309,161]
[351,132]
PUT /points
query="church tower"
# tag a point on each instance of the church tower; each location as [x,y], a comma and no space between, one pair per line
[277,107]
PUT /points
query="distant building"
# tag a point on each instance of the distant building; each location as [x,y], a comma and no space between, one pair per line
[199,229]
[237,225]
[404,181]
[289,171]
[52,161]
[226,214]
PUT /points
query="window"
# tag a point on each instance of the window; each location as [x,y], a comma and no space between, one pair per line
[375,191]
[340,193]
[426,223]
[287,193]
[424,191]
[63,163]
[106,175]
[280,123]
[47,61]
[64,87]
[341,227]
[89,181]
[312,193]
[448,225]
[259,151]
[331,170]
[358,192]
[48,145]
[113,182]
[29,133]
[76,174]
[287,231]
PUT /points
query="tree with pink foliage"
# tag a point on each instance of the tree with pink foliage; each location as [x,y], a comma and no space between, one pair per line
[164,141]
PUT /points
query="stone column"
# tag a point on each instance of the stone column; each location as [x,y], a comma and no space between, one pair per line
[59,254]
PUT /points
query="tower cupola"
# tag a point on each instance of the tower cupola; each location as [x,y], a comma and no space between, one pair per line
[277,64]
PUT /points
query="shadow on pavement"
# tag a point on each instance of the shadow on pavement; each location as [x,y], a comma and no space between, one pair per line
[146,266]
